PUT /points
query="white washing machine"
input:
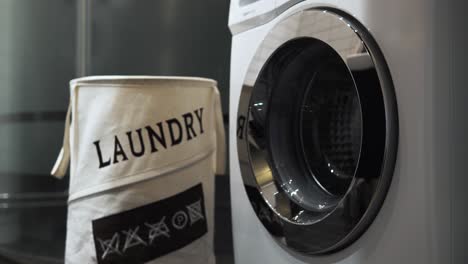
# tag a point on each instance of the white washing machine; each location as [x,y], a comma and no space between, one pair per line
[348,131]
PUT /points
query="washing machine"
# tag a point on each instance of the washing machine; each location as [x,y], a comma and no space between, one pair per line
[347,124]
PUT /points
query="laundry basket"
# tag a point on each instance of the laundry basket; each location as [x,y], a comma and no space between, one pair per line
[143,154]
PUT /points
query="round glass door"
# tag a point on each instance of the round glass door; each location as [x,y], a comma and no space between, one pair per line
[317,131]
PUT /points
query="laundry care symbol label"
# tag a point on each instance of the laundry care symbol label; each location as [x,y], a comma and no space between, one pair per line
[150,231]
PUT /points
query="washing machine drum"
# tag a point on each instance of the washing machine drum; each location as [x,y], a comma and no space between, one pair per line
[317,131]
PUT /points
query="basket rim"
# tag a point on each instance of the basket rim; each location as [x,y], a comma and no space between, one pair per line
[131,79]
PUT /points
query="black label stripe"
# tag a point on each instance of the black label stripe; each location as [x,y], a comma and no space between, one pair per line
[150,231]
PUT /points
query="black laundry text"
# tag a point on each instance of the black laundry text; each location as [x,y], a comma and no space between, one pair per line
[151,138]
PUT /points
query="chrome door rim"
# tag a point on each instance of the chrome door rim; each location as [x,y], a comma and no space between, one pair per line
[276,223]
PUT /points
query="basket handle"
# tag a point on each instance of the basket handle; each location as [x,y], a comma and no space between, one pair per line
[61,165]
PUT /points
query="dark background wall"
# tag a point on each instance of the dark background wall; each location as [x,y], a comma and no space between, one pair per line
[44,44]
[172,37]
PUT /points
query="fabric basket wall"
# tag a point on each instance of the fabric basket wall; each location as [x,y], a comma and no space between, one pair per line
[143,153]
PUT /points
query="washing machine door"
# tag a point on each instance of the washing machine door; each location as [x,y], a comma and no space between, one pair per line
[317,131]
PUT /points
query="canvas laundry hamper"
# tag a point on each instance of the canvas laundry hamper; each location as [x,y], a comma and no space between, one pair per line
[143,153]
